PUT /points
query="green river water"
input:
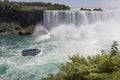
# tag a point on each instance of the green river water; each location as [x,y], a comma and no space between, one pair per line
[13,66]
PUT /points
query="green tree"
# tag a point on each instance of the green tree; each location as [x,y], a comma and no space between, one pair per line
[6,0]
[6,5]
[114,49]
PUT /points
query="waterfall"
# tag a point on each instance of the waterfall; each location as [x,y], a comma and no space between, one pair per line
[77,20]
[54,18]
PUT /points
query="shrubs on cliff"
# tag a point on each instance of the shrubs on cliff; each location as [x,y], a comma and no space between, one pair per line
[58,7]
[95,9]
[84,9]
[105,66]
[9,28]
[6,5]
[42,6]
[99,9]
[15,28]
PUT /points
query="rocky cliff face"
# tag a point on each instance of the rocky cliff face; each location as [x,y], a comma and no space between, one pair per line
[25,19]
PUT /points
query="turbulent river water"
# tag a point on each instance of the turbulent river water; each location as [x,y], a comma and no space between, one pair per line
[70,32]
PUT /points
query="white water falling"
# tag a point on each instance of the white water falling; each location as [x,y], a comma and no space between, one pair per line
[55,18]
[99,27]
[81,24]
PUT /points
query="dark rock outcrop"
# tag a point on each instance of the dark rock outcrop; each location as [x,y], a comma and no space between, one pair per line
[85,9]
[99,9]
[24,18]
[24,33]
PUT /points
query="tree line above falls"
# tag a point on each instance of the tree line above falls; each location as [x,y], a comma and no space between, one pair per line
[6,5]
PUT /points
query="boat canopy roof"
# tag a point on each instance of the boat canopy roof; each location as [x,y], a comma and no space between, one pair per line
[30,49]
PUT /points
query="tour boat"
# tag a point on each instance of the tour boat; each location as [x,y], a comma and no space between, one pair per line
[30,52]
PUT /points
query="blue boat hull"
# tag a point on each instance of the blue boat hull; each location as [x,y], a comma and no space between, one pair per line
[30,52]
